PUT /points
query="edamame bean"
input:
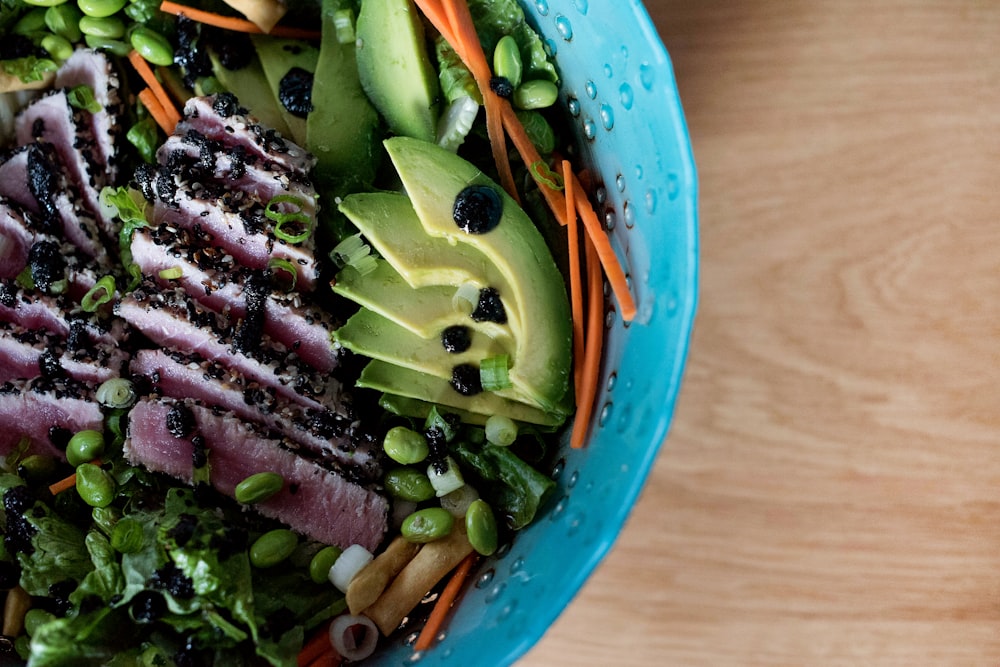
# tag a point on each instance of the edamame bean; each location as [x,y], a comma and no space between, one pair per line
[404,445]
[96,487]
[409,484]
[64,20]
[127,536]
[273,547]
[535,94]
[481,526]
[101,8]
[108,28]
[319,566]
[44,3]
[84,446]
[507,60]
[258,487]
[427,525]
[35,618]
[32,21]
[152,46]
[113,46]
[58,47]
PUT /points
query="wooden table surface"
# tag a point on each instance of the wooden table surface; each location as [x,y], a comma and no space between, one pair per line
[830,490]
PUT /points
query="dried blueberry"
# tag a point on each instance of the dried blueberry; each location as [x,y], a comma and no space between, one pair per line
[47,264]
[477,209]
[465,380]
[295,91]
[502,86]
[490,307]
[456,339]
[147,606]
[180,421]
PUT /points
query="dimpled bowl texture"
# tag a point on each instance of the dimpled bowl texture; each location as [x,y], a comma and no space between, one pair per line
[622,104]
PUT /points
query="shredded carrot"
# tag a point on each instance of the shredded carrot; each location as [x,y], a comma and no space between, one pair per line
[235,24]
[443,604]
[522,142]
[317,646]
[155,110]
[67,482]
[328,659]
[594,341]
[609,260]
[170,114]
[575,286]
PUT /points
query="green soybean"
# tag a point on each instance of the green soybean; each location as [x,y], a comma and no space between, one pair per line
[101,8]
[152,46]
[35,618]
[404,445]
[36,467]
[96,487]
[273,547]
[64,20]
[127,536]
[427,525]
[259,487]
[507,60]
[32,21]
[319,566]
[84,446]
[481,527]
[409,484]
[108,28]
[113,46]
[535,94]
[58,47]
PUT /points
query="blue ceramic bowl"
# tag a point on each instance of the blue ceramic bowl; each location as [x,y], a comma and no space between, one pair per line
[622,105]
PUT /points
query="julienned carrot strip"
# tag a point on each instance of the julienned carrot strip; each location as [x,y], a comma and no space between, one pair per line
[235,24]
[146,72]
[609,260]
[155,110]
[594,342]
[67,482]
[434,11]
[443,604]
[328,659]
[522,142]
[318,645]
[575,286]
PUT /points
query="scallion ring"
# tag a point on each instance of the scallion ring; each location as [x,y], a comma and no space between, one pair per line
[282,265]
[173,273]
[116,393]
[493,373]
[98,295]
[283,218]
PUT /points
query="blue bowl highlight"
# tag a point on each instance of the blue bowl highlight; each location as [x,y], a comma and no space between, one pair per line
[622,104]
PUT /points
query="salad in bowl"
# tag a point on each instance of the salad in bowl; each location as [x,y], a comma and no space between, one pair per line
[307,310]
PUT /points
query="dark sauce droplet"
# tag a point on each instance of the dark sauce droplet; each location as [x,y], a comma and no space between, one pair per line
[477,209]
[465,379]
[490,307]
[295,92]
[456,339]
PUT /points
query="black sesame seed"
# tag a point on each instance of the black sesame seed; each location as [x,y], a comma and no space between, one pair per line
[477,209]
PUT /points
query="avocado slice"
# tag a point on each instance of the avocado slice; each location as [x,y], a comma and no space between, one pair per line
[414,407]
[278,57]
[368,333]
[398,381]
[344,136]
[250,87]
[395,70]
[433,178]
[425,311]
[391,225]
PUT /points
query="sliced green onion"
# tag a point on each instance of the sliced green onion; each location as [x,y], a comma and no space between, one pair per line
[173,273]
[354,252]
[343,23]
[24,279]
[501,430]
[99,294]
[466,298]
[348,564]
[82,97]
[280,264]
[116,393]
[449,480]
[493,373]
[436,420]
[541,171]
[284,218]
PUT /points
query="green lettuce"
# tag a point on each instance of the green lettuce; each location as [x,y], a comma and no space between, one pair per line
[514,488]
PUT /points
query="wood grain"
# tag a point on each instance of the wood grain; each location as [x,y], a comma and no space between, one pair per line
[830,491]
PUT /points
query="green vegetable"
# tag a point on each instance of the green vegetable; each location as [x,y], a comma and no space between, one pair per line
[481,527]
[127,536]
[447,479]
[31,22]
[404,445]
[64,21]
[539,131]
[427,525]
[95,486]
[152,46]
[101,8]
[283,217]
[322,561]
[29,68]
[106,28]
[258,488]
[57,47]
[273,547]
[36,467]
[507,60]
[36,618]
[513,488]
[501,430]
[408,484]
[113,46]
[116,393]
[84,446]
[98,295]
[535,94]
[145,137]
[493,373]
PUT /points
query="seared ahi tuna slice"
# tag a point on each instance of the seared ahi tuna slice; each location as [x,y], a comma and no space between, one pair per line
[171,318]
[28,353]
[238,222]
[221,118]
[314,501]
[60,315]
[324,434]
[93,69]
[51,119]
[46,412]
[212,276]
